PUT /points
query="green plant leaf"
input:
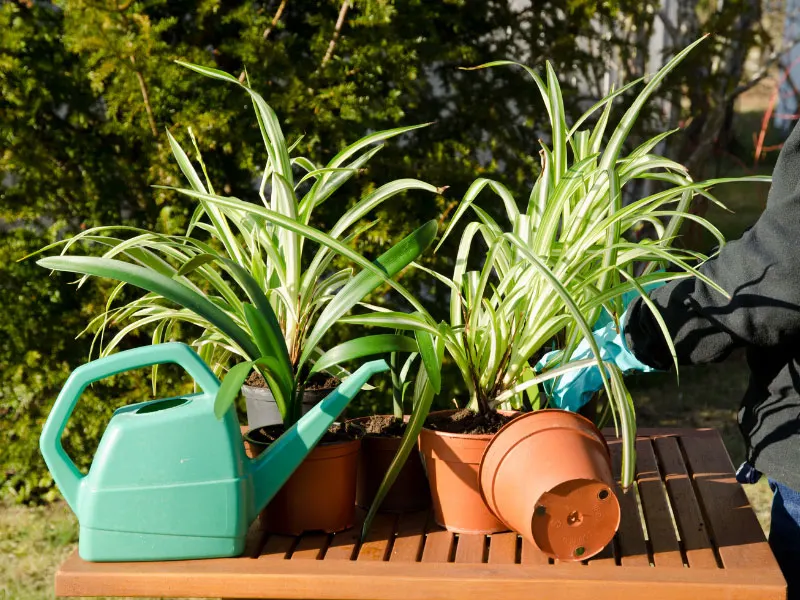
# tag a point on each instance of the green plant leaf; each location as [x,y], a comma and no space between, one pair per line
[270,343]
[423,398]
[428,352]
[209,72]
[369,345]
[390,263]
[230,388]
[396,320]
[620,134]
[156,283]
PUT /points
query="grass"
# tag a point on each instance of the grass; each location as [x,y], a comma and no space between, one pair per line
[33,541]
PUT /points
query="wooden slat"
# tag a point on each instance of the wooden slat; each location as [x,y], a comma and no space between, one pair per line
[324,580]
[734,527]
[691,526]
[605,558]
[657,432]
[661,531]
[531,555]
[377,544]
[277,547]
[471,548]
[438,544]
[311,547]
[568,564]
[630,536]
[345,543]
[407,545]
[503,548]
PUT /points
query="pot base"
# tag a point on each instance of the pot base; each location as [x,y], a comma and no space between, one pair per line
[575,519]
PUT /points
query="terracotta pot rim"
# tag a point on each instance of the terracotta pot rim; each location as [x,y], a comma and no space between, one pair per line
[561,411]
[246,436]
[472,436]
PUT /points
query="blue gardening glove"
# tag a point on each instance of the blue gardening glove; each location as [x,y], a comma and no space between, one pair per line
[605,317]
[574,389]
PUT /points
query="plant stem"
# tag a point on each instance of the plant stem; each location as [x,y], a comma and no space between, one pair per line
[397,385]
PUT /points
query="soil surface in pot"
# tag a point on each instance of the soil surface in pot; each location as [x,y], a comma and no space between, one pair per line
[466,421]
[318,382]
[338,432]
[384,426]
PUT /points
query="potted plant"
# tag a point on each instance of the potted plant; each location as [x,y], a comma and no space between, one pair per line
[546,278]
[381,442]
[238,278]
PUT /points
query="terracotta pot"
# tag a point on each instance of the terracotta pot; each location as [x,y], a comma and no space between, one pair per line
[547,475]
[319,496]
[452,461]
[410,490]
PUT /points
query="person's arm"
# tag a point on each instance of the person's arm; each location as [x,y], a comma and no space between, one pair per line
[761,272]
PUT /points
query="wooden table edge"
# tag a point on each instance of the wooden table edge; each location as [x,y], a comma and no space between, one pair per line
[237,578]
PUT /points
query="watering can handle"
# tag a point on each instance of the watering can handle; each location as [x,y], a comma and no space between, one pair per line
[65,473]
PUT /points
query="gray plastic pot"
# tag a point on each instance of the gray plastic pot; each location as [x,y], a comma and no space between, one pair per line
[262,410]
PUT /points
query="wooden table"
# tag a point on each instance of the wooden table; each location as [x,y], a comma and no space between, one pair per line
[713,548]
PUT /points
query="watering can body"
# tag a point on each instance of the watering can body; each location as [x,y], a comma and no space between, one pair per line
[170,481]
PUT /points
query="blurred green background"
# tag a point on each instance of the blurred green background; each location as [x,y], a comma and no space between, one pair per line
[87,89]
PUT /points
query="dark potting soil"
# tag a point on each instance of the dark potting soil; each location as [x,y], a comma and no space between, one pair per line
[385,426]
[338,432]
[318,382]
[466,421]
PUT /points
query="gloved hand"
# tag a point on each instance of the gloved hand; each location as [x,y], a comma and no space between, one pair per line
[574,389]
[628,297]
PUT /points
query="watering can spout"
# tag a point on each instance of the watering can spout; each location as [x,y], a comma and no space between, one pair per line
[277,463]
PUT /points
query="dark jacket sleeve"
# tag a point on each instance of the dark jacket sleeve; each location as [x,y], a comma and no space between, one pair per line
[761,273]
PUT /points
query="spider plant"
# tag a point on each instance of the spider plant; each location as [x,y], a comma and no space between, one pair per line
[564,258]
[238,274]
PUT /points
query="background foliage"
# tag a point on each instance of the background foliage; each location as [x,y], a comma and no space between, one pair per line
[87,88]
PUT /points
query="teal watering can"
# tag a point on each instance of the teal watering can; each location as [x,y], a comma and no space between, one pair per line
[169,480]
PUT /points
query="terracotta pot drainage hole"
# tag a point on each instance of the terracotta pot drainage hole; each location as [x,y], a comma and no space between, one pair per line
[574,518]
[603,494]
[579,551]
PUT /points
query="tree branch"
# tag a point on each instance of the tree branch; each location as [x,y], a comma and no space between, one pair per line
[337,28]
[672,31]
[145,97]
[275,19]
[763,72]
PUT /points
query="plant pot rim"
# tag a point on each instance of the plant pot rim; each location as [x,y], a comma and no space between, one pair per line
[246,436]
[360,420]
[528,415]
[473,436]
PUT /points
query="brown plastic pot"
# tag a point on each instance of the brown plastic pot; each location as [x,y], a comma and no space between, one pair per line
[320,494]
[451,461]
[410,490]
[547,475]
